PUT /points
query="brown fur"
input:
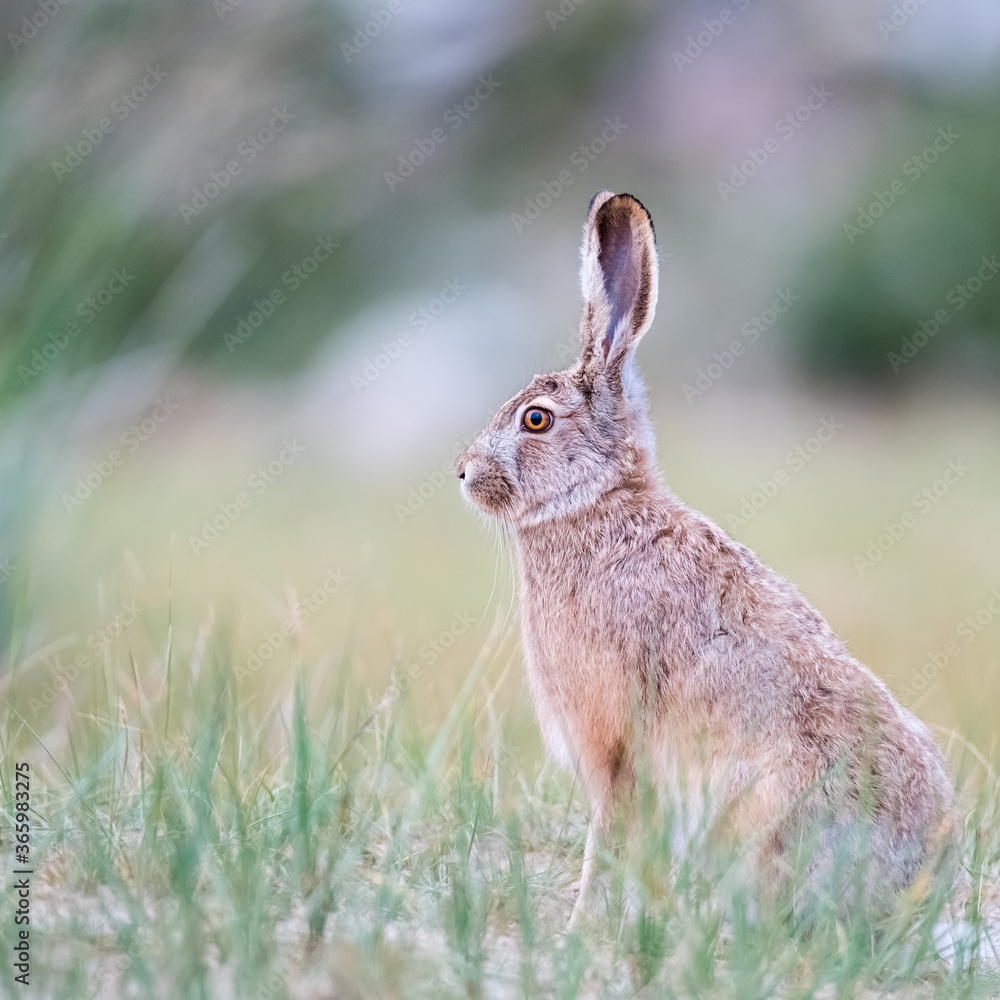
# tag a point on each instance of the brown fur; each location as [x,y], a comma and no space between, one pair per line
[649,633]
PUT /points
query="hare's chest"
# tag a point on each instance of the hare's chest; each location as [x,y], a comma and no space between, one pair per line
[580,672]
[569,635]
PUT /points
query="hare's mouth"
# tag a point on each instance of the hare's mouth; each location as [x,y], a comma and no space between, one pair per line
[488,486]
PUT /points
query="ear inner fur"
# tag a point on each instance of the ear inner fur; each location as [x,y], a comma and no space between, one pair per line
[616,255]
[618,277]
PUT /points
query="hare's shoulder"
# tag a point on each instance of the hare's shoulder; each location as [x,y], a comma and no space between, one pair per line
[732,582]
[694,549]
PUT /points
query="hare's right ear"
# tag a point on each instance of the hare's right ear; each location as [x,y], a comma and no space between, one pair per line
[619,276]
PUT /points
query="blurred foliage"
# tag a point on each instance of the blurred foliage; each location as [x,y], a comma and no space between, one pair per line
[927,222]
[114,115]
[80,203]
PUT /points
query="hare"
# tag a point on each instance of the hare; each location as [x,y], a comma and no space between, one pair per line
[650,635]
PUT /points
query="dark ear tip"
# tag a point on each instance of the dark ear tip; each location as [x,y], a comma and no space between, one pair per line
[642,208]
[628,198]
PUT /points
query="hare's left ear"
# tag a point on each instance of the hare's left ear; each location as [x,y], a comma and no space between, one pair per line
[619,276]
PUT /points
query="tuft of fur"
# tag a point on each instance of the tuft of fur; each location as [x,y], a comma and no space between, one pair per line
[651,637]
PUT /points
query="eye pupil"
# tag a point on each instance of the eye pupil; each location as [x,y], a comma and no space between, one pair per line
[537,419]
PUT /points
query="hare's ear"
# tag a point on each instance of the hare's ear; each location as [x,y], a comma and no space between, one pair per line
[619,276]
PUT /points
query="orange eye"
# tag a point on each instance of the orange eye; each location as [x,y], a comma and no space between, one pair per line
[537,420]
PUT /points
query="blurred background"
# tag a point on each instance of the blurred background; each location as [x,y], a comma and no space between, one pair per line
[265,267]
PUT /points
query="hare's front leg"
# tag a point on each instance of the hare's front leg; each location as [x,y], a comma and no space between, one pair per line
[609,777]
[589,854]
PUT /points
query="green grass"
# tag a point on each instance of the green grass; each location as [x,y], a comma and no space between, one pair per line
[324,844]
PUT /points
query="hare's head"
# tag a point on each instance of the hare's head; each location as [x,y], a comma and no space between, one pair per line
[572,435]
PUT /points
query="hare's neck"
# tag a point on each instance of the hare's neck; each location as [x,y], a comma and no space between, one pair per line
[550,546]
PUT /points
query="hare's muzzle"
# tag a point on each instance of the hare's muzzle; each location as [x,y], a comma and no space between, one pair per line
[485,483]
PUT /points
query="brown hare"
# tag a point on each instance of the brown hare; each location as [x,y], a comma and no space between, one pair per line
[651,636]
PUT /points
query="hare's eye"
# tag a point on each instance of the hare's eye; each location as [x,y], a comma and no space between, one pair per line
[537,420]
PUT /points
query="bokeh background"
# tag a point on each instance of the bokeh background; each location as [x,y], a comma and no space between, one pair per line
[326,240]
